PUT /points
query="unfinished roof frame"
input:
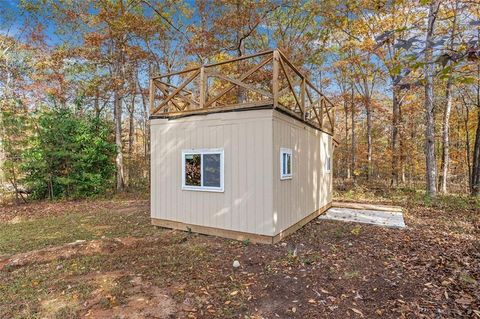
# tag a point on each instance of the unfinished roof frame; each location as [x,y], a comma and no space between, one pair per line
[266,80]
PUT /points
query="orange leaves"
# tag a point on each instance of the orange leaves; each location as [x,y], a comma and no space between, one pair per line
[94,39]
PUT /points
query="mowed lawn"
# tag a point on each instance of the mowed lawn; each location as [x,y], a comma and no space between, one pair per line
[103,259]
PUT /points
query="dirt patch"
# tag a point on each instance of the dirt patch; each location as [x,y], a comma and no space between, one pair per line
[144,301]
[70,250]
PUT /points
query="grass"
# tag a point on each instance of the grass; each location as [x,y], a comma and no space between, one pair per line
[196,271]
[55,230]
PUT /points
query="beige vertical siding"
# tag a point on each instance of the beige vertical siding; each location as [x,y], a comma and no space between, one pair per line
[246,203]
[254,200]
[311,186]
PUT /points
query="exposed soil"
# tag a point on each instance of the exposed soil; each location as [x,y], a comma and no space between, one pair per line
[327,269]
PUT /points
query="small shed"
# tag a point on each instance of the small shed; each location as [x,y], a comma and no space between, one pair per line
[240,149]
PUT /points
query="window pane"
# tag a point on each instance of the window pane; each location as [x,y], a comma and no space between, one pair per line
[284,163]
[211,170]
[193,175]
[289,164]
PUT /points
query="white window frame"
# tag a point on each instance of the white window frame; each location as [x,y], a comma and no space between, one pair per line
[202,152]
[289,152]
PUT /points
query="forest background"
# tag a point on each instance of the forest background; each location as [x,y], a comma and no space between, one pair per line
[74,78]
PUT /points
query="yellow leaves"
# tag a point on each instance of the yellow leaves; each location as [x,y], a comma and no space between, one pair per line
[356,230]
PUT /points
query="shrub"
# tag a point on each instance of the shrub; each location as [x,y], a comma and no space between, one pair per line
[69,155]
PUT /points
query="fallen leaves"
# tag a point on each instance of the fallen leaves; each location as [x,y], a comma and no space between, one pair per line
[358,312]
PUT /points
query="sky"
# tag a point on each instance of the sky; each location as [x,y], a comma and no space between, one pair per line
[15,20]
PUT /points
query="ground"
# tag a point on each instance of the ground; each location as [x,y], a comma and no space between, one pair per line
[103,259]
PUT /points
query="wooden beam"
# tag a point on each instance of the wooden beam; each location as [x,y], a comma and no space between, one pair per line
[176,73]
[284,58]
[319,117]
[291,87]
[287,88]
[202,87]
[302,97]
[243,57]
[241,78]
[173,86]
[152,95]
[276,71]
[326,111]
[227,108]
[190,79]
[165,92]
[240,83]
[180,96]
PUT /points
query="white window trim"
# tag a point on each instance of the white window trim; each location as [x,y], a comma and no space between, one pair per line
[286,151]
[202,152]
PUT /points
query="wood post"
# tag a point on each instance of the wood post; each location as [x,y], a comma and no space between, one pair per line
[276,58]
[320,102]
[152,96]
[302,98]
[202,87]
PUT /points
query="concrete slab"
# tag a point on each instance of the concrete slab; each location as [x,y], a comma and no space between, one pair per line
[368,216]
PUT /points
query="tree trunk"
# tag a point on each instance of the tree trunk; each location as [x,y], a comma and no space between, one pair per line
[446,115]
[345,108]
[475,180]
[118,100]
[475,183]
[431,169]
[369,137]
[395,120]
[401,132]
[96,103]
[467,142]
[445,139]
[118,140]
[131,127]
[475,188]
[354,141]
[146,136]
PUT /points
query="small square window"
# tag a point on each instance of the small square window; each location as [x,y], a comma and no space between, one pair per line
[286,163]
[328,157]
[202,170]
[328,163]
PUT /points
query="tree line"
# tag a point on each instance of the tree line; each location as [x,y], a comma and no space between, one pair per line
[404,75]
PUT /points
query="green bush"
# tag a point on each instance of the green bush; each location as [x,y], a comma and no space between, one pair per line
[69,155]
